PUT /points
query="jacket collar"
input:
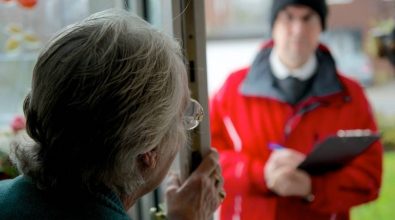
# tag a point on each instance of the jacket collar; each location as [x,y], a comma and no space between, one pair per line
[259,81]
[281,71]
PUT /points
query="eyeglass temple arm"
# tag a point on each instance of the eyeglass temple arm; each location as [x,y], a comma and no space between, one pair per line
[189,26]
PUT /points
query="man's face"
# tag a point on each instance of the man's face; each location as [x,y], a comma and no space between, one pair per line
[296,33]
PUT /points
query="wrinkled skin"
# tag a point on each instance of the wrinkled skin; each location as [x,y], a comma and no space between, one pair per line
[200,195]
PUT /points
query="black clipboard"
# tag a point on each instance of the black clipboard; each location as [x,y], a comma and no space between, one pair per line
[336,151]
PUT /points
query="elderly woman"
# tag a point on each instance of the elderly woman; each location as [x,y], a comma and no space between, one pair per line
[107,112]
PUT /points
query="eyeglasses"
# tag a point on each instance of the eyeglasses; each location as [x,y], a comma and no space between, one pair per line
[193,114]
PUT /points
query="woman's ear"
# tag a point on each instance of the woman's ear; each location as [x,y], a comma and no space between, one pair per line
[148,160]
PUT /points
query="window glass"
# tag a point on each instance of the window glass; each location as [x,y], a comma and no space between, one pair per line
[26,25]
[359,37]
[237,18]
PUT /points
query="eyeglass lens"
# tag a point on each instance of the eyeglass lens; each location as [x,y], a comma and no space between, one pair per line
[193,115]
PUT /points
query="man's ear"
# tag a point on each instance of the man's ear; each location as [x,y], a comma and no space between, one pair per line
[149,159]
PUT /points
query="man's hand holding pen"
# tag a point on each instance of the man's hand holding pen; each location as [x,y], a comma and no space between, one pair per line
[281,173]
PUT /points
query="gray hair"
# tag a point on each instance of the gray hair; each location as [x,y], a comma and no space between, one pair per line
[103,91]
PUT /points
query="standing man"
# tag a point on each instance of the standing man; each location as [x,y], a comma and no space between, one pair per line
[293,96]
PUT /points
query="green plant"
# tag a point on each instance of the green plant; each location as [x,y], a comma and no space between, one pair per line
[378,27]
[383,207]
[387,128]
[7,136]
[7,170]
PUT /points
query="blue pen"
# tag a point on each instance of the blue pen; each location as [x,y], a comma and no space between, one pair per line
[275,146]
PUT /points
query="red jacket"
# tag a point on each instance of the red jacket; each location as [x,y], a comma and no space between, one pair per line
[248,113]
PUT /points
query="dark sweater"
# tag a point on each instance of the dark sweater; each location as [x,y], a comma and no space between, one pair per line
[21,199]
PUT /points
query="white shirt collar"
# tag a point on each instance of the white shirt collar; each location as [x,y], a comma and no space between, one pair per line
[280,71]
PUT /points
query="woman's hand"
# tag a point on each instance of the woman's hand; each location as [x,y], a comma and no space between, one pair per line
[200,195]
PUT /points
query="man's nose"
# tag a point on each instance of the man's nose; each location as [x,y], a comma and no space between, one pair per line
[298,27]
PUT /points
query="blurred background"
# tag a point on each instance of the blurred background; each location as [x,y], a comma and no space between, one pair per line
[235,30]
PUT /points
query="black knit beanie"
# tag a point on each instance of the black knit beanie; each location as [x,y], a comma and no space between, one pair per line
[319,6]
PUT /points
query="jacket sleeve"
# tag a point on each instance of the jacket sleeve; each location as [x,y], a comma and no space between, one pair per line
[358,182]
[241,172]
[230,158]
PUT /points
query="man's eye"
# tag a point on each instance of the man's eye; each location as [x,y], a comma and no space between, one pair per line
[289,17]
[308,18]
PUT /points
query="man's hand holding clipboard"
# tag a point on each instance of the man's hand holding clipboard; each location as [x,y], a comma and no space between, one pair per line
[336,151]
